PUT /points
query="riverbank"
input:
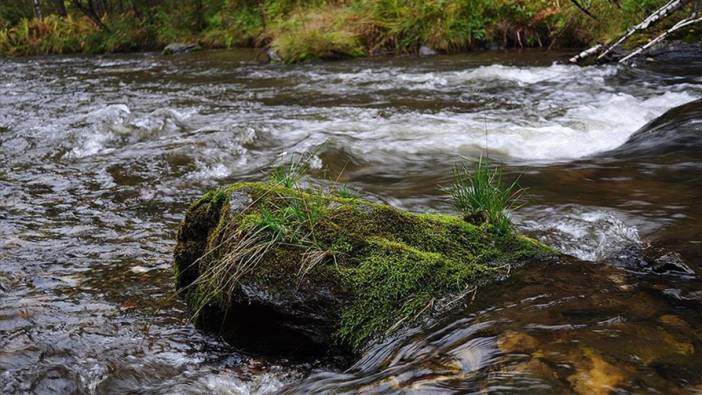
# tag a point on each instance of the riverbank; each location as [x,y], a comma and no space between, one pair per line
[304,31]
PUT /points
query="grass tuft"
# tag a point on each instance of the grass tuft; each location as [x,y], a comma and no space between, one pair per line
[315,33]
[347,192]
[481,195]
[290,174]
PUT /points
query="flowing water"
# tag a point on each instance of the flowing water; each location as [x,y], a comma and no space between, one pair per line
[101,156]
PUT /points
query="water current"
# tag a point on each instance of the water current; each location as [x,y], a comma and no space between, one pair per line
[102,155]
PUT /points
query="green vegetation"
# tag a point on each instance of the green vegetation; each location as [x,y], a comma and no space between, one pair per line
[481,195]
[302,30]
[52,35]
[385,267]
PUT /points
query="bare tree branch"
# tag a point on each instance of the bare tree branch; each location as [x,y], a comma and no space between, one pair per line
[89,11]
[583,9]
[652,19]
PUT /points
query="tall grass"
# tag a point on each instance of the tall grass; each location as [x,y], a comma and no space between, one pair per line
[234,25]
[289,175]
[481,195]
[51,35]
[127,34]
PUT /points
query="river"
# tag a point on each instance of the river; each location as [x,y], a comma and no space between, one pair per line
[102,155]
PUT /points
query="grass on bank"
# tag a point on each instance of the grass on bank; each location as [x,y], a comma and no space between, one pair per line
[76,34]
[316,29]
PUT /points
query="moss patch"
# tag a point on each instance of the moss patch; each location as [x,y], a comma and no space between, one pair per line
[369,268]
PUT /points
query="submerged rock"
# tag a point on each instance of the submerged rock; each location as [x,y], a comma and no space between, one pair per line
[675,51]
[278,269]
[427,51]
[273,56]
[178,48]
[650,258]
[594,375]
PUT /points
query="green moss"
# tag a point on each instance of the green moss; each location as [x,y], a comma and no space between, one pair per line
[388,267]
[193,234]
[396,282]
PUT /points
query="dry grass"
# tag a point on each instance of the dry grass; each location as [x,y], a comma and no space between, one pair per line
[52,35]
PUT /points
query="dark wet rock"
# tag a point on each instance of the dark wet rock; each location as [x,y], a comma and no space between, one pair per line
[675,51]
[684,295]
[676,132]
[179,48]
[426,51]
[353,274]
[664,52]
[667,262]
[616,54]
[380,52]
[649,258]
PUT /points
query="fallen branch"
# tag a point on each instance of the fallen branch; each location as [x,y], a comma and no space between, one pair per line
[651,20]
[586,54]
[644,48]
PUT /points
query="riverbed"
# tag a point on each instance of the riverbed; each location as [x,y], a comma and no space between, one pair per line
[102,155]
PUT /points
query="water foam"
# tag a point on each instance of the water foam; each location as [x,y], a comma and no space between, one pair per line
[581,131]
[536,114]
[102,130]
[412,78]
[527,114]
[588,233]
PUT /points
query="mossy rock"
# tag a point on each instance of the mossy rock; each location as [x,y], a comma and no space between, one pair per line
[275,269]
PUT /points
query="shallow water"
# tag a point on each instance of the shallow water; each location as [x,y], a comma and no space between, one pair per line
[102,155]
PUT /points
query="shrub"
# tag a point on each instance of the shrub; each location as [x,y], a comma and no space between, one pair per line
[234,25]
[127,34]
[10,15]
[302,30]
